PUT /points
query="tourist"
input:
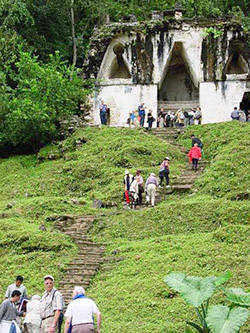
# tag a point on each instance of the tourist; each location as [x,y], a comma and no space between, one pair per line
[197,116]
[132,118]
[141,113]
[134,189]
[9,313]
[196,140]
[191,116]
[103,112]
[172,119]
[127,181]
[150,186]
[164,172]
[242,116]
[235,115]
[79,314]
[180,118]
[168,119]
[194,156]
[18,285]
[32,319]
[150,119]
[160,118]
[186,119]
[139,178]
[51,306]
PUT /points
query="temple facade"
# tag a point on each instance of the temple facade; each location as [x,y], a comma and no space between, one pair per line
[173,64]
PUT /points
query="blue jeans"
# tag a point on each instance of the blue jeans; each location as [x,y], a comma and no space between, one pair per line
[103,116]
[142,120]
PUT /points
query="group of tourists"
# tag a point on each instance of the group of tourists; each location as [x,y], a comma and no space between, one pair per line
[240,115]
[180,118]
[45,314]
[134,184]
[137,117]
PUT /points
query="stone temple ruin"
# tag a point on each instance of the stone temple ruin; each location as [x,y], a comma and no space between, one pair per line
[170,62]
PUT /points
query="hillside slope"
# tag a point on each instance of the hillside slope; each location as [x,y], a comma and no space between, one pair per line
[202,233]
[64,179]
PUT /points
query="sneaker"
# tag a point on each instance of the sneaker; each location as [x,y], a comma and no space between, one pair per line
[168,186]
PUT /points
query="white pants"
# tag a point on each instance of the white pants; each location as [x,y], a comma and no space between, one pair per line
[5,326]
[151,193]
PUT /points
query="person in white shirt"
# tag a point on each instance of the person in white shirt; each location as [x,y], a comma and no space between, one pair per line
[33,319]
[16,286]
[80,312]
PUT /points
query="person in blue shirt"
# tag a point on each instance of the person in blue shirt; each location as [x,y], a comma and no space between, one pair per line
[103,112]
[141,113]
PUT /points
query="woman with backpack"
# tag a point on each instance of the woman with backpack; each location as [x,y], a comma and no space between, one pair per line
[164,172]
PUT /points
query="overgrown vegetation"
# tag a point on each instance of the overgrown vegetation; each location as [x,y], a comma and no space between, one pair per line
[43,95]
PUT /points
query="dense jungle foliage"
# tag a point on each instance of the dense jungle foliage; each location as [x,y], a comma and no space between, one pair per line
[42,48]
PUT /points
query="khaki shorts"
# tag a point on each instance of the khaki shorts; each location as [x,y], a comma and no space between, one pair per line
[46,324]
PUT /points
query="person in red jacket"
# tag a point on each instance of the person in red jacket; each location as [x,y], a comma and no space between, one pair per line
[194,156]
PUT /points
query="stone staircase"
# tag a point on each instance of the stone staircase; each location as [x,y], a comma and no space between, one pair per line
[188,176]
[90,255]
[176,105]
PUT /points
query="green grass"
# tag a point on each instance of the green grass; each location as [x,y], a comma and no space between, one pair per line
[39,188]
[202,233]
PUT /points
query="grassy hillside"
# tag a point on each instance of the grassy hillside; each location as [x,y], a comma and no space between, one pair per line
[202,233]
[89,165]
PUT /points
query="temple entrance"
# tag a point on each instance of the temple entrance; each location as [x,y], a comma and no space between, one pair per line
[245,104]
[177,89]
[178,84]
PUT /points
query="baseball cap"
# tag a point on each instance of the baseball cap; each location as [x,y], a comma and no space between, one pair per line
[48,277]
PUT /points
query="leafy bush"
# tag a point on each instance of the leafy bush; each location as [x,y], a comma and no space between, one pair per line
[197,292]
[44,94]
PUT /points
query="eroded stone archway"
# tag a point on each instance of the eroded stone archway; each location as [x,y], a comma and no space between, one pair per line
[178,84]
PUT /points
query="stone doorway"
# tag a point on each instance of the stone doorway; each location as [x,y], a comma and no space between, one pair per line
[245,103]
[178,84]
[178,90]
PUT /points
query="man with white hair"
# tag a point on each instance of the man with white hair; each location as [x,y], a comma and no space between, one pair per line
[150,186]
[80,312]
[32,319]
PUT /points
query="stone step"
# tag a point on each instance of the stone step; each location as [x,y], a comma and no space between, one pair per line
[76,271]
[175,105]
[182,187]
[85,261]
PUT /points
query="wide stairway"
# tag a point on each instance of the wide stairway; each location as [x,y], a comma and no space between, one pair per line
[90,255]
[176,105]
